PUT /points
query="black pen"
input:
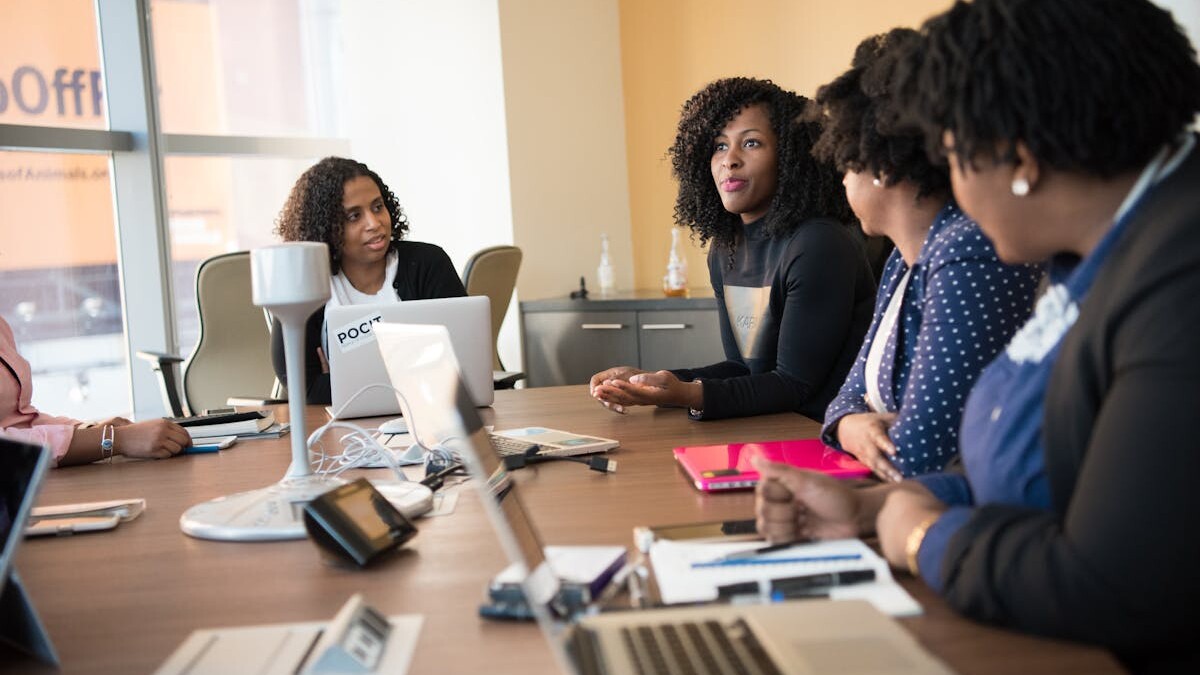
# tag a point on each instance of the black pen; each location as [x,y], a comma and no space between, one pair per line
[801,586]
[754,552]
[810,585]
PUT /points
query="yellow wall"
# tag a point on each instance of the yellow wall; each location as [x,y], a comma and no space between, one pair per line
[566,141]
[671,48]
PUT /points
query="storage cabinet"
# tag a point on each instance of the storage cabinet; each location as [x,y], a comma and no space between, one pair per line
[567,341]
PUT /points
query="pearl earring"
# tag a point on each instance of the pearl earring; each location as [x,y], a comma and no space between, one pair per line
[1020,187]
[876,182]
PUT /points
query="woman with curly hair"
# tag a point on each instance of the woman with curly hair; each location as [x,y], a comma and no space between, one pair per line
[1067,126]
[899,409]
[791,278]
[345,205]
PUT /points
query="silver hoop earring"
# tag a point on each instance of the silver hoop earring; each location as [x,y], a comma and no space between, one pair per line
[1020,187]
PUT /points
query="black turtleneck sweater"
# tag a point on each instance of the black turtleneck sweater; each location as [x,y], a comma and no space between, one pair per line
[794,309]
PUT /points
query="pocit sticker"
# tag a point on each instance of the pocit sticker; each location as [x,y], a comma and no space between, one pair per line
[355,334]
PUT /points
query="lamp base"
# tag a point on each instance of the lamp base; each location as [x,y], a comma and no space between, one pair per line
[276,512]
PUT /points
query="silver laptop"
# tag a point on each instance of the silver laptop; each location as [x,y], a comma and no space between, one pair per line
[22,470]
[805,636]
[354,362]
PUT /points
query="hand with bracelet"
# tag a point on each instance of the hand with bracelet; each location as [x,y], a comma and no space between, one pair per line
[792,504]
[152,439]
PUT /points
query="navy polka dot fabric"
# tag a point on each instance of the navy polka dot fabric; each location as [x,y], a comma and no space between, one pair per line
[961,307]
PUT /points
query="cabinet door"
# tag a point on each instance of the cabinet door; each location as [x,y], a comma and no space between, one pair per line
[570,347]
[679,339]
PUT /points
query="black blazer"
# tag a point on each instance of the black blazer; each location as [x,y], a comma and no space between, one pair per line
[424,272]
[1116,562]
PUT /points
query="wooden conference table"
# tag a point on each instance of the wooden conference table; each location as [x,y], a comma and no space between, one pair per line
[122,601]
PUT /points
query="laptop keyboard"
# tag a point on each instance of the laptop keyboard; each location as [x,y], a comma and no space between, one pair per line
[505,446]
[686,648]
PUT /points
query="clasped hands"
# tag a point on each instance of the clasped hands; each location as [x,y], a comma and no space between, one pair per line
[617,388]
[794,505]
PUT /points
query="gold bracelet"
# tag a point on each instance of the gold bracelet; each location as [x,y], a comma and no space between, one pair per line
[912,545]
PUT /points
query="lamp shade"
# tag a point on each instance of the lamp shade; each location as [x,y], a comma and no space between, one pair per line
[291,274]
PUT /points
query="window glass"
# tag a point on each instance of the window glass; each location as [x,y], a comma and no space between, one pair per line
[231,67]
[58,280]
[50,65]
[218,205]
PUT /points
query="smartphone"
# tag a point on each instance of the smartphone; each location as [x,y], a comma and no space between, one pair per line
[65,526]
[202,445]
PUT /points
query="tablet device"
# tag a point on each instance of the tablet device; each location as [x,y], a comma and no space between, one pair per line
[555,442]
[727,467]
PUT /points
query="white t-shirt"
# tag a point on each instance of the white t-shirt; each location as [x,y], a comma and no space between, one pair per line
[342,292]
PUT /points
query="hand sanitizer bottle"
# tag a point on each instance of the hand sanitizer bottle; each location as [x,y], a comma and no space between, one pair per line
[604,273]
[675,282]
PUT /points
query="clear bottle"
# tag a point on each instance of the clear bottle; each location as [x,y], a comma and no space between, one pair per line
[604,273]
[675,281]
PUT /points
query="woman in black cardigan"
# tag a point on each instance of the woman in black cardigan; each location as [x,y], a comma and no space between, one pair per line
[1064,123]
[345,205]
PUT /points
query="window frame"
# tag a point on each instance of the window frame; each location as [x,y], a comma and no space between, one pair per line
[137,149]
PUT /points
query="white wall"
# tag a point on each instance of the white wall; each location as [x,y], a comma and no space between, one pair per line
[495,122]
[1187,14]
[424,108]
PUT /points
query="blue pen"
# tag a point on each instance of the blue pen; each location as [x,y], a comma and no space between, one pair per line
[736,562]
[200,449]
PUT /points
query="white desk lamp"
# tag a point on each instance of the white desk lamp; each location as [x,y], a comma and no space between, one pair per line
[291,281]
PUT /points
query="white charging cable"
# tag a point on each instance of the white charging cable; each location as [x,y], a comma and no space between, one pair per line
[359,447]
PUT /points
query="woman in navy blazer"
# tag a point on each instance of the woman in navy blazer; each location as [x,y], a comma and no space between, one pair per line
[953,304]
[1073,512]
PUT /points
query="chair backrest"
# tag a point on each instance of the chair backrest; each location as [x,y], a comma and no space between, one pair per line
[233,355]
[493,272]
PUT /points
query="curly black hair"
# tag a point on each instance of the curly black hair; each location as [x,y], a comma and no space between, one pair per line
[1092,87]
[313,210]
[862,129]
[807,187]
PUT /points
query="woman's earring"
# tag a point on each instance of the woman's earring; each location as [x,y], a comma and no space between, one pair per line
[876,182]
[1020,187]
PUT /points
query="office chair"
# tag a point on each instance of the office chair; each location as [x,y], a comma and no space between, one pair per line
[493,272]
[232,358]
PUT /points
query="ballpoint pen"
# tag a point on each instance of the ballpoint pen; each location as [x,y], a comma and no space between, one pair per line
[809,585]
[758,560]
[750,553]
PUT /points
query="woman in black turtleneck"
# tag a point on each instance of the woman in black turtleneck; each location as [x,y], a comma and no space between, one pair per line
[793,286]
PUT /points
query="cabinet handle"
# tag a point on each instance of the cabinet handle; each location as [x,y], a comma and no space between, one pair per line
[664,326]
[602,326]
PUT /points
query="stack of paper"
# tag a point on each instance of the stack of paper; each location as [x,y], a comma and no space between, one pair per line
[228,424]
[686,572]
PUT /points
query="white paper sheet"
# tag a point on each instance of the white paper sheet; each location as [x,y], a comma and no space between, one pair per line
[679,581]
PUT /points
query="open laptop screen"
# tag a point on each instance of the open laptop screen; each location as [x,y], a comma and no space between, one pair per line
[422,366]
[354,363]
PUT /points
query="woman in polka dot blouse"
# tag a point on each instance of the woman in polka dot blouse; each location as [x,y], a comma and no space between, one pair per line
[946,305]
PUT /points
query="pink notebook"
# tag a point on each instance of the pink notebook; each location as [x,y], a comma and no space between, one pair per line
[727,467]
